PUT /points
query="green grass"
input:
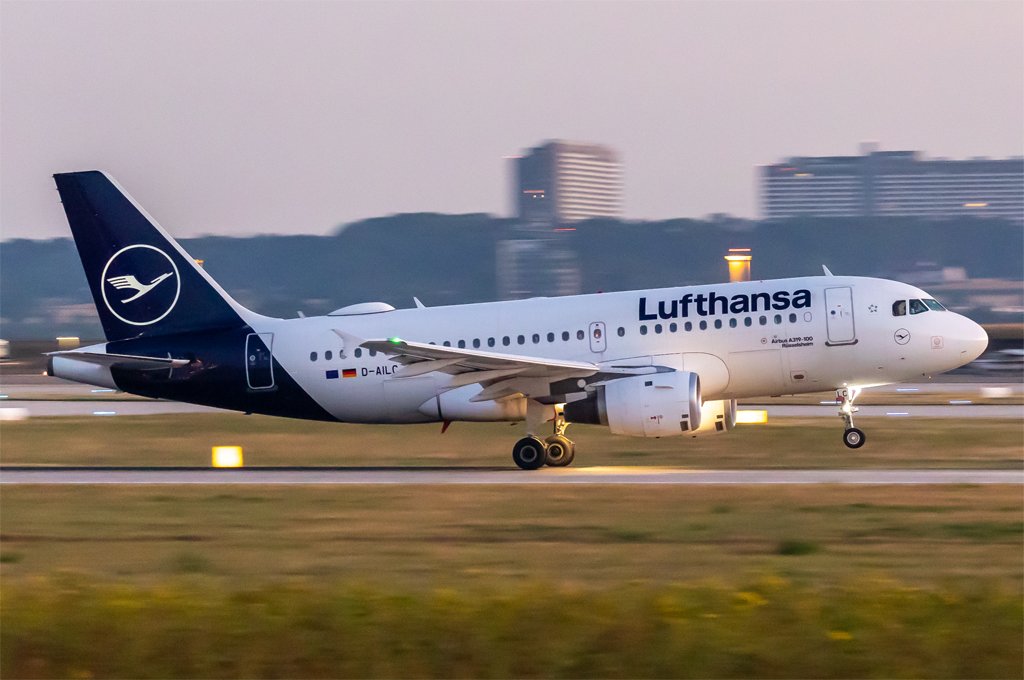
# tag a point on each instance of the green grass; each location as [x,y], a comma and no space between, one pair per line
[783,443]
[806,581]
[63,627]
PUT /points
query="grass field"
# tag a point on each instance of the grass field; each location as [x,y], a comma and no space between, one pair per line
[521,581]
[429,581]
[783,443]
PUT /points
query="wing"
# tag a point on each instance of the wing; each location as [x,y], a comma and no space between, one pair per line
[500,375]
[128,281]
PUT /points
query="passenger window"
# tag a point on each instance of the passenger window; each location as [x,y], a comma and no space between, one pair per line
[328,355]
[703,325]
[732,322]
[373,352]
[462,344]
[657,328]
[312,356]
[565,336]
[359,352]
[672,327]
[747,321]
[506,341]
[446,343]
[917,307]
[580,335]
[521,339]
[778,319]
[792,318]
[622,331]
[551,337]
[763,320]
[643,330]
[688,326]
[899,308]
[476,342]
[536,338]
[490,342]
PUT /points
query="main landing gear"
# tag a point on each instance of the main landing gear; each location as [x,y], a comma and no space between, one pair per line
[532,452]
[853,437]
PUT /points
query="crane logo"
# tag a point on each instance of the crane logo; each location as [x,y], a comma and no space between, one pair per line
[140,285]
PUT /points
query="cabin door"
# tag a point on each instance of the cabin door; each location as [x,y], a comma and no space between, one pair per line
[259,366]
[839,316]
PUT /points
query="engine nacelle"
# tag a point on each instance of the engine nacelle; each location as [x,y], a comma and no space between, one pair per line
[654,405]
[716,416]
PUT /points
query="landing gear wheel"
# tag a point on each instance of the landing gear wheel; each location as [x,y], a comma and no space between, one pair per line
[529,453]
[561,450]
[853,438]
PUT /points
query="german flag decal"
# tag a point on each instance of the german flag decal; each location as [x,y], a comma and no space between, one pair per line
[348,373]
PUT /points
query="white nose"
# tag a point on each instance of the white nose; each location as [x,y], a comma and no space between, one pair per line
[973,340]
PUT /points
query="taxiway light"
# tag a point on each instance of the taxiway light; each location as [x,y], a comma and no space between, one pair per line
[227,456]
[751,417]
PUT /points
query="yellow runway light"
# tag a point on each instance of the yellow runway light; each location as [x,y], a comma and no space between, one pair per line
[227,456]
[751,417]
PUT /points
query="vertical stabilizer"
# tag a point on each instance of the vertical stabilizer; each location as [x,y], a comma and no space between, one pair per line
[143,283]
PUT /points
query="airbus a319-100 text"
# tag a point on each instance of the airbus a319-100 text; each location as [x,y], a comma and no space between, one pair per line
[649,363]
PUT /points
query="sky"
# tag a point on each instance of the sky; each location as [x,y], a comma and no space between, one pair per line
[237,118]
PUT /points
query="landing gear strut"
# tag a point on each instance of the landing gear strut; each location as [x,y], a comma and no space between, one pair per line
[853,437]
[531,452]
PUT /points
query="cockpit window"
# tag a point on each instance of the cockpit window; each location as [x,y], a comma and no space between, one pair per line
[899,308]
[917,307]
[934,305]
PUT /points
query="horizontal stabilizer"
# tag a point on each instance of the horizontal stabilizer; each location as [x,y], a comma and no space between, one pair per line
[126,361]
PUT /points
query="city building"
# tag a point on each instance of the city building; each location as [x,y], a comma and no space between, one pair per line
[560,182]
[893,184]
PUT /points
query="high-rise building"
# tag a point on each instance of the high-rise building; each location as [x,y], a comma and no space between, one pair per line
[893,184]
[564,182]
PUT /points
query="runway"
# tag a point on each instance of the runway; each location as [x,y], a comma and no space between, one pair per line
[139,407]
[497,476]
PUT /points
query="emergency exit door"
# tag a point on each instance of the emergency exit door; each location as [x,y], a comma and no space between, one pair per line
[598,343]
[839,316]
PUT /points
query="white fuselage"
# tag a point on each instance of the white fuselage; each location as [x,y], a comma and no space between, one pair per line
[843,333]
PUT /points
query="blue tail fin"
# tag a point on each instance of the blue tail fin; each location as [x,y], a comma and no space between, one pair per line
[142,282]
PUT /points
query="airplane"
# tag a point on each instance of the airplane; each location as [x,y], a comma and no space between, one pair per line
[645,363]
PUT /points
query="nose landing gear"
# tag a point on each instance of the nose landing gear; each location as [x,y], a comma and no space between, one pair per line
[853,437]
[531,452]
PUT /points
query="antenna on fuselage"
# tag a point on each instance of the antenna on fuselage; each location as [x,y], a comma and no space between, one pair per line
[826,270]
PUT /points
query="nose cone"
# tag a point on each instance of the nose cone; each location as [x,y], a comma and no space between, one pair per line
[973,340]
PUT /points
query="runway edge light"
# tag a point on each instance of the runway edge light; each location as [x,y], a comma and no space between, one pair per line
[751,417]
[227,456]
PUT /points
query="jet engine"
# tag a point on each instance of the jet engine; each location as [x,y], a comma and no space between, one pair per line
[654,405]
[716,416]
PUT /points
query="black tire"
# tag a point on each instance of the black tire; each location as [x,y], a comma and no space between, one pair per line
[561,451]
[529,453]
[854,438]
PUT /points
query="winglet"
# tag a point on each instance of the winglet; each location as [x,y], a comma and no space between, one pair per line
[827,272]
[419,305]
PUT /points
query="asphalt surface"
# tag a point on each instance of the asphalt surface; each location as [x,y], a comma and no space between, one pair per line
[500,476]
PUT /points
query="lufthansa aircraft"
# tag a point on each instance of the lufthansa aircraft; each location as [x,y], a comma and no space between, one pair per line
[649,363]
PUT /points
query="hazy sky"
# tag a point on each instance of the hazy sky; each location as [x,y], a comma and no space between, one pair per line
[289,117]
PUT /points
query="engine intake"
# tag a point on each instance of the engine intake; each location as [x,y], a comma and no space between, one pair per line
[657,405]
